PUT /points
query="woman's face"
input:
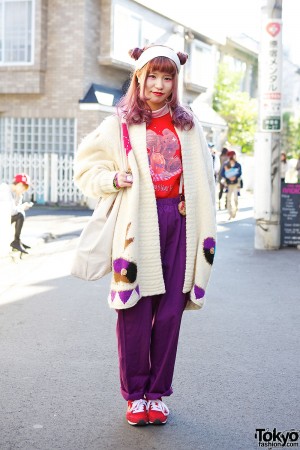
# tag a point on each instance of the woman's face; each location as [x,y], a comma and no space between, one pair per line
[21,188]
[158,88]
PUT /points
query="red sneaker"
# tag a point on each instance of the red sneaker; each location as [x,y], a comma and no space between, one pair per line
[136,413]
[157,412]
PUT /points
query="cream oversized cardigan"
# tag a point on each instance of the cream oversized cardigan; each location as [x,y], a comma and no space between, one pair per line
[136,260]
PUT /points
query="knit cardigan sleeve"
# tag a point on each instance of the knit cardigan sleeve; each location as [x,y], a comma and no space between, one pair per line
[208,162]
[97,159]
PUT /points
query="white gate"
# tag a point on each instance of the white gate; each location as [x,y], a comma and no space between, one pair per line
[51,176]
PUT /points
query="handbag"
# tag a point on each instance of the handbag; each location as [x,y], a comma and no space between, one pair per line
[93,256]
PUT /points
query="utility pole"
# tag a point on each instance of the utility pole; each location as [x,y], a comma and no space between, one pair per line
[267,141]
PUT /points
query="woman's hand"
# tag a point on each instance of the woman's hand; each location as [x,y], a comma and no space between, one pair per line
[26,205]
[124,179]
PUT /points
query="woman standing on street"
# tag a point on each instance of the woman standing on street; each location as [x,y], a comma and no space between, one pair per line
[164,238]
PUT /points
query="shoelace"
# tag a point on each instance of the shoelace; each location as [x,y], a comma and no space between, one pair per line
[138,406]
[158,405]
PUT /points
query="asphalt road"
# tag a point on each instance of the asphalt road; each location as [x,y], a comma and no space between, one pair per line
[237,366]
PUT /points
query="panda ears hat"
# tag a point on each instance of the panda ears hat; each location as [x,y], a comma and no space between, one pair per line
[143,56]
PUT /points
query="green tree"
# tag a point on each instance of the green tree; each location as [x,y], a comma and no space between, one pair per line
[236,107]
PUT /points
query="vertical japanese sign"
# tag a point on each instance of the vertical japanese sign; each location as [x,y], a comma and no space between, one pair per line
[270,75]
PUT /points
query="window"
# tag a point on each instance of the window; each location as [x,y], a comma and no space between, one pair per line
[130,29]
[238,66]
[200,69]
[16,31]
[28,135]
[127,33]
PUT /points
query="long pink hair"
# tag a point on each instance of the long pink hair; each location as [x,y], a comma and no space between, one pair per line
[133,105]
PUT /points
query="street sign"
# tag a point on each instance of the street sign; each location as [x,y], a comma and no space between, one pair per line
[270,63]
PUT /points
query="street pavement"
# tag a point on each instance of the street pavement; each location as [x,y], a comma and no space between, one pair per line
[237,366]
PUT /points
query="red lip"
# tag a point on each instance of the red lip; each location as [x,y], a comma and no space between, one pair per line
[159,94]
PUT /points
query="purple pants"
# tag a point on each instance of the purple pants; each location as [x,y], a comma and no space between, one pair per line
[148,332]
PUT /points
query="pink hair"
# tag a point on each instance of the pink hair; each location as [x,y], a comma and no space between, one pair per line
[133,105]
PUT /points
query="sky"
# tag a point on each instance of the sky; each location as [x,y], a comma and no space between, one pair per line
[231,17]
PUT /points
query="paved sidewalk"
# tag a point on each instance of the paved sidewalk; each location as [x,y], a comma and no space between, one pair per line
[237,367]
[45,224]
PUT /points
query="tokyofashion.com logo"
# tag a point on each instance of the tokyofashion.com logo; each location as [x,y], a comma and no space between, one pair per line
[273,438]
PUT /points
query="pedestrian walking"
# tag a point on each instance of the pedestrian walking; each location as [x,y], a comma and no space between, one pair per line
[215,158]
[164,238]
[12,195]
[284,166]
[232,172]
[221,179]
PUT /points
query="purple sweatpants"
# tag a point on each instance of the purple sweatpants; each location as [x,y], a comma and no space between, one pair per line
[148,332]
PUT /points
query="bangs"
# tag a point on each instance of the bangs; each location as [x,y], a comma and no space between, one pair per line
[162,64]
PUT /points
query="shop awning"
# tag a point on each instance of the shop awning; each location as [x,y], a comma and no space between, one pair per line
[207,116]
[102,95]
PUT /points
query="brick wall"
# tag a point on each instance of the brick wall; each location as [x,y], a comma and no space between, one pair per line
[60,59]
[67,47]
[29,78]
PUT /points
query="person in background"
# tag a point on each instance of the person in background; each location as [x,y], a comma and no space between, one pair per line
[164,238]
[222,181]
[215,158]
[13,194]
[284,166]
[232,172]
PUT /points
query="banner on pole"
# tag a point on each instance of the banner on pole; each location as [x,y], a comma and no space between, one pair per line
[270,75]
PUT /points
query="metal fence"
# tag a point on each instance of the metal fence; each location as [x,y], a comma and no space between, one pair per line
[51,176]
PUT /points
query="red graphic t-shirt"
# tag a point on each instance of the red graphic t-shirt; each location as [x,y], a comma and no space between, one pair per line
[164,154]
